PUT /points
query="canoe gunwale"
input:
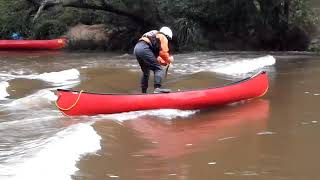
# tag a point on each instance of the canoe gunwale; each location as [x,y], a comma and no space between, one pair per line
[203,89]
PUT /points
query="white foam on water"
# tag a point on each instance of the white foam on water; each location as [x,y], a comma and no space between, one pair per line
[124,55]
[65,77]
[162,113]
[3,90]
[38,99]
[8,76]
[12,74]
[266,133]
[192,58]
[62,77]
[245,65]
[228,66]
[57,158]
[35,118]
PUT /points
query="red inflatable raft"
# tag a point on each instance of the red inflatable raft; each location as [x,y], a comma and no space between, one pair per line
[84,103]
[32,44]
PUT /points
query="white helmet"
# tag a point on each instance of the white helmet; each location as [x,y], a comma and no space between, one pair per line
[166,31]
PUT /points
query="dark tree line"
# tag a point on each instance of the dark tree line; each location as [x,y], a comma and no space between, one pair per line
[197,24]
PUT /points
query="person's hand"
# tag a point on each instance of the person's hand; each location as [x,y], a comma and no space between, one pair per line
[161,61]
[171,59]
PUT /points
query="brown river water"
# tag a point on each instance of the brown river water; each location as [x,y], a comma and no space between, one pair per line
[272,137]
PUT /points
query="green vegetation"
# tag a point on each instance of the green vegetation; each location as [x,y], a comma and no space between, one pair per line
[14,17]
[49,29]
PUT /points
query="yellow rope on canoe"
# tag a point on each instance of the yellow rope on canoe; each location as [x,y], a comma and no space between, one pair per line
[72,106]
[265,92]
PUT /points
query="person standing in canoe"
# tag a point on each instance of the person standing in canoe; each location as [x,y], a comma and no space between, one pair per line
[152,52]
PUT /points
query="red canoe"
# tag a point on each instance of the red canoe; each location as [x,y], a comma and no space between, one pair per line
[82,103]
[32,44]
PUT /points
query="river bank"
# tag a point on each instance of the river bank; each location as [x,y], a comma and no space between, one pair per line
[233,25]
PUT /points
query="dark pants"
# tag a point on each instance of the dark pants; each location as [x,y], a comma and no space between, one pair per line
[148,61]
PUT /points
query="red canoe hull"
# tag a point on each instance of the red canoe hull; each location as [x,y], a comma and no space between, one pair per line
[32,44]
[83,103]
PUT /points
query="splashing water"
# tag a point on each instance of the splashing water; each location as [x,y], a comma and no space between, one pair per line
[3,90]
[56,159]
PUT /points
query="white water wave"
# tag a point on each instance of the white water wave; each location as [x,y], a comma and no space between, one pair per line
[35,118]
[61,77]
[57,158]
[65,77]
[245,65]
[12,74]
[3,90]
[39,99]
[228,66]
[162,113]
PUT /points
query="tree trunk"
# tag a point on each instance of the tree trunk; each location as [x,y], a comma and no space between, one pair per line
[103,6]
[287,12]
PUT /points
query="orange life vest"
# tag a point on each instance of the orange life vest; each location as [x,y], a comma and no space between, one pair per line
[158,44]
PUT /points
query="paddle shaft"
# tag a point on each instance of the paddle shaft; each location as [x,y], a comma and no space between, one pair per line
[167,69]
